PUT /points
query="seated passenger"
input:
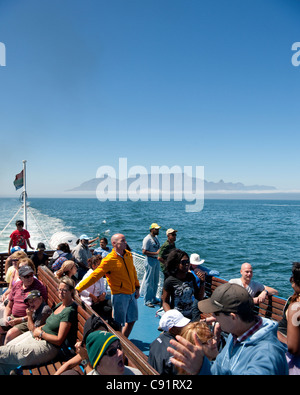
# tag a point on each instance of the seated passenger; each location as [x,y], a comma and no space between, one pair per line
[45,342]
[103,250]
[180,290]
[257,290]
[95,295]
[205,335]
[288,328]
[80,361]
[69,269]
[14,320]
[106,356]
[172,323]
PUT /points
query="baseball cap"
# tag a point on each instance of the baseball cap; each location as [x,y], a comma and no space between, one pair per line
[154,226]
[84,237]
[227,298]
[171,230]
[172,318]
[32,295]
[24,270]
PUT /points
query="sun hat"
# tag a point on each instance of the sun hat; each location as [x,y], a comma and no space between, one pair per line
[154,226]
[171,230]
[97,343]
[32,295]
[172,318]
[195,259]
[227,298]
[24,270]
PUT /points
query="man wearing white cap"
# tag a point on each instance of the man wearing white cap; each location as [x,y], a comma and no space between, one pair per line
[81,254]
[172,323]
[165,249]
[151,248]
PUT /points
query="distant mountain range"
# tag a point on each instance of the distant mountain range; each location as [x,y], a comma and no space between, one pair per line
[175,183]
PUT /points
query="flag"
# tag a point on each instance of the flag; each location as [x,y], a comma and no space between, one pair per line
[18,183]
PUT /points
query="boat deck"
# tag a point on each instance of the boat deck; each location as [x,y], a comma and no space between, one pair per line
[145,330]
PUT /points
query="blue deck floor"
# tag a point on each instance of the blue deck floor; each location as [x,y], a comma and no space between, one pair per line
[145,329]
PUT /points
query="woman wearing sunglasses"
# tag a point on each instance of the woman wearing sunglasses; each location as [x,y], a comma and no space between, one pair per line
[106,356]
[180,289]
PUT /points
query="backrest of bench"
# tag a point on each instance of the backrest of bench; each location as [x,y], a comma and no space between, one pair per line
[271,308]
[135,356]
[4,256]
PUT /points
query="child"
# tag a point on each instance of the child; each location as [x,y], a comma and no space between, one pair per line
[19,237]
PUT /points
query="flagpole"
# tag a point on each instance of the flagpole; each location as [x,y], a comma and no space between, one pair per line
[24,194]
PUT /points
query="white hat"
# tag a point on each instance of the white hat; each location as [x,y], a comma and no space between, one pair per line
[195,259]
[171,230]
[173,318]
[83,237]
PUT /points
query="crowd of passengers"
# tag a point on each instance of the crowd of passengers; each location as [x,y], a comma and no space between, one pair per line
[233,339]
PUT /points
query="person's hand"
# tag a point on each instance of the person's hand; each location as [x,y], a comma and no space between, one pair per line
[187,355]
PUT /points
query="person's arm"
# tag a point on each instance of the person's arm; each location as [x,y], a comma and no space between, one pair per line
[271,291]
[166,300]
[58,339]
[28,242]
[30,322]
[70,364]
[293,331]
[92,278]
[186,355]
[7,310]
[9,246]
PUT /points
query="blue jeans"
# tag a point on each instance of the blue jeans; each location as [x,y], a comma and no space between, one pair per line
[151,280]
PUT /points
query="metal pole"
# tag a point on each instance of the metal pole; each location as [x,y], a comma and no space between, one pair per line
[24,194]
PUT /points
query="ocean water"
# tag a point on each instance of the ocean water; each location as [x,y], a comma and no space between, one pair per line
[225,233]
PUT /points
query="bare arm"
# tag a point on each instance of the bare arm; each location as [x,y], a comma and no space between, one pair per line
[58,339]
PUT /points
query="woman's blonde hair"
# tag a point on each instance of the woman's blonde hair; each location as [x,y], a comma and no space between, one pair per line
[188,332]
[200,328]
[28,262]
[65,269]
[70,283]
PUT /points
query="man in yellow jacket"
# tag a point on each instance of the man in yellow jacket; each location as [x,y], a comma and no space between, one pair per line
[121,276]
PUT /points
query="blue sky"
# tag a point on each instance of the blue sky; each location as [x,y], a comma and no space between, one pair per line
[160,82]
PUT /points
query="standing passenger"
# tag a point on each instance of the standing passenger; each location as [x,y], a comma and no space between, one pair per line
[122,279]
[150,248]
[166,248]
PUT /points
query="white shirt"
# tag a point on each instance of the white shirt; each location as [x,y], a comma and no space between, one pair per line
[96,289]
[253,288]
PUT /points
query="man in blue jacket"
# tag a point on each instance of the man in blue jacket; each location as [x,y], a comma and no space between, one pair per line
[252,346]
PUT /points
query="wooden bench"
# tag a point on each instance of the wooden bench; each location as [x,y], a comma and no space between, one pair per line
[271,308]
[4,256]
[135,356]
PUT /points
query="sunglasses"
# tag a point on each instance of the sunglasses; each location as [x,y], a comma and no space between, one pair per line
[113,350]
[185,262]
[27,276]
